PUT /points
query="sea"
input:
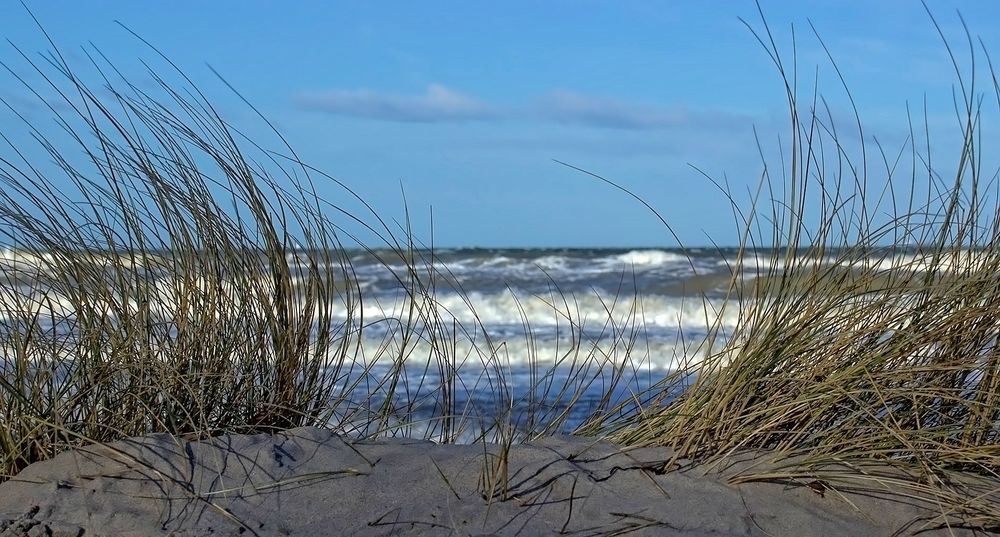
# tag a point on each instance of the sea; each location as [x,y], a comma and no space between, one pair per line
[546,338]
[449,343]
[539,337]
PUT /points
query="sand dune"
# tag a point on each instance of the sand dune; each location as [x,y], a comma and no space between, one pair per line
[308,481]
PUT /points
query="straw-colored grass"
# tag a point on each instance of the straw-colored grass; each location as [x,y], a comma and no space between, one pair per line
[154,292]
[166,273]
[870,335]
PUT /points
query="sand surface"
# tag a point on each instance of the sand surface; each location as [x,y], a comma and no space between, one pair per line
[309,481]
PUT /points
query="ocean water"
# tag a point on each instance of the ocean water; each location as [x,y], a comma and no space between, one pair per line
[511,293]
[534,333]
[535,336]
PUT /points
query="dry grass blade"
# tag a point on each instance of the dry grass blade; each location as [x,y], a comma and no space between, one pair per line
[863,339]
[167,273]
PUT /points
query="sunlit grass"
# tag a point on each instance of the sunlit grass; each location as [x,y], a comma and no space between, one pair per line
[869,338]
[168,274]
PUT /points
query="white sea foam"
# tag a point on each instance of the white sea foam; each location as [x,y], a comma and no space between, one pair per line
[589,311]
[513,353]
[650,258]
[10,255]
[164,297]
[554,264]
[472,351]
[30,304]
[947,262]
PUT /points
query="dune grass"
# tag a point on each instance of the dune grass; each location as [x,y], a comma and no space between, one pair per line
[193,282]
[165,272]
[868,336]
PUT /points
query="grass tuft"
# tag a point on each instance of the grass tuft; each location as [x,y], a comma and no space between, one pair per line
[868,324]
[165,273]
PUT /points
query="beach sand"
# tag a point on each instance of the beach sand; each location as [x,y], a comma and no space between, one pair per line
[309,481]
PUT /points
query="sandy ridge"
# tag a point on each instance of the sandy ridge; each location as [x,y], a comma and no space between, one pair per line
[309,481]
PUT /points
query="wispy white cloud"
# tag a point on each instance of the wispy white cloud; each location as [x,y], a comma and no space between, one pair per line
[437,104]
[441,104]
[577,109]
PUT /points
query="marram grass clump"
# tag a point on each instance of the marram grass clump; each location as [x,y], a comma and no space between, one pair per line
[191,282]
[868,335]
[163,272]
[137,304]
[175,278]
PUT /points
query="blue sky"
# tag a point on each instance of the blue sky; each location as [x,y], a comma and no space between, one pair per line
[466,105]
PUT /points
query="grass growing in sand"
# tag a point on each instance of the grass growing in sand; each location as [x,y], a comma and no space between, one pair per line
[157,295]
[181,278]
[870,337]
